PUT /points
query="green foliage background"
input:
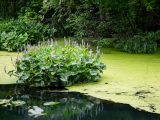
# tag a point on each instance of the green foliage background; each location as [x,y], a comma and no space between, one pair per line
[120,19]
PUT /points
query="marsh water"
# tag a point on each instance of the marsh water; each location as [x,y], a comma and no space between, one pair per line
[20,103]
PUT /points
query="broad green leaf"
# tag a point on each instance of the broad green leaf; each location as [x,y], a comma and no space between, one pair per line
[51,103]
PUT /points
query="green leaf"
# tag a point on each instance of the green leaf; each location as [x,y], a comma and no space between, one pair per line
[18,103]
[4,101]
[42,84]
[93,72]
[64,78]
[53,73]
[51,103]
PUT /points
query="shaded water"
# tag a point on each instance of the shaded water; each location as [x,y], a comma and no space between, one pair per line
[68,106]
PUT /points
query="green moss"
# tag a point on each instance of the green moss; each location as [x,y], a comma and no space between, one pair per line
[5,60]
[130,78]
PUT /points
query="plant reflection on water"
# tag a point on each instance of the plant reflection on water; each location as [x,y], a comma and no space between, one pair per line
[17,104]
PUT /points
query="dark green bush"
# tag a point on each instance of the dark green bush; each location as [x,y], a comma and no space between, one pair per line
[105,42]
[83,25]
[11,41]
[6,26]
[15,33]
[35,30]
[52,65]
[144,43]
[77,24]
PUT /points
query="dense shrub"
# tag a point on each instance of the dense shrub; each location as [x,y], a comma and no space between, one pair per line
[144,43]
[104,42]
[35,30]
[83,25]
[51,65]
[6,25]
[11,41]
[103,17]
[15,33]
[77,25]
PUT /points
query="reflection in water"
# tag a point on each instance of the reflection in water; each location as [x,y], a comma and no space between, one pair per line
[48,105]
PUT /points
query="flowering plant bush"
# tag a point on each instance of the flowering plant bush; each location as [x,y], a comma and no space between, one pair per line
[51,65]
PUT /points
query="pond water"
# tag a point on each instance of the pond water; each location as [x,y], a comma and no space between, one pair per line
[19,103]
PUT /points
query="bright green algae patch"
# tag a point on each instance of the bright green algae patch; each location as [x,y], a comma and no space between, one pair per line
[130,78]
[5,60]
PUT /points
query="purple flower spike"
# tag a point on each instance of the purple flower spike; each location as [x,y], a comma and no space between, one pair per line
[52,41]
[18,51]
[102,55]
[64,38]
[17,58]
[84,60]
[99,51]
[87,45]
[5,69]
[65,41]
[97,55]
[39,45]
[25,52]
[43,42]
[21,49]
[82,42]
[48,43]
[75,43]
[91,52]
[97,48]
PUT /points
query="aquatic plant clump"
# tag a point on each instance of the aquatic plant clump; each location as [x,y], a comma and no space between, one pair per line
[48,64]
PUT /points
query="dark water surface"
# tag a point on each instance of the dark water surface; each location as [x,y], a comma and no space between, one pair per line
[68,106]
